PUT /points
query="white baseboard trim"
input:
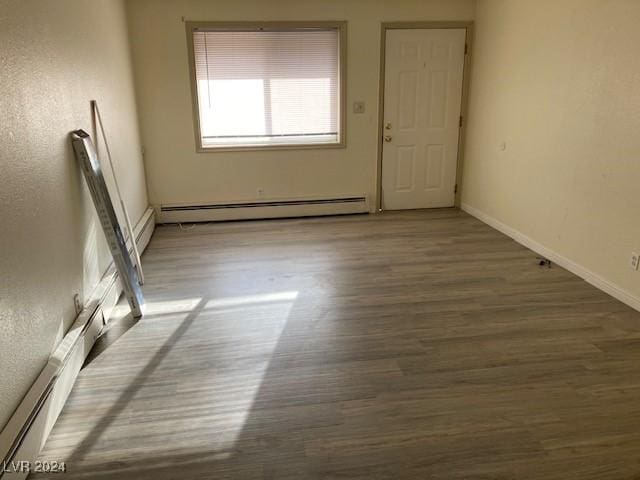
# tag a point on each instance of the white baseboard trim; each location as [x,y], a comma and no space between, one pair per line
[593,278]
[25,433]
[273,208]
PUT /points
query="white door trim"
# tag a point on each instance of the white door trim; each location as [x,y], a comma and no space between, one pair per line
[468,27]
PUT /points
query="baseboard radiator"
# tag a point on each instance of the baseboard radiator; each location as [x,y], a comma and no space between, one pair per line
[301,207]
[25,433]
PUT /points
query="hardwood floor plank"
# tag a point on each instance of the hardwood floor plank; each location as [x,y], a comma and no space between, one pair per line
[406,345]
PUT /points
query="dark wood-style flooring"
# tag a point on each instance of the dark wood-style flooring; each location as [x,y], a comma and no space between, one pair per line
[409,345]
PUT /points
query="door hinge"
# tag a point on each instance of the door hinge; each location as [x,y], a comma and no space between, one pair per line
[460,123]
[455,189]
[466,48]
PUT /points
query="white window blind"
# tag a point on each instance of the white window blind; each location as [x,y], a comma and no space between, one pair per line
[268,87]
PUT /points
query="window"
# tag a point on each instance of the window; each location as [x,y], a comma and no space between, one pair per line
[268,86]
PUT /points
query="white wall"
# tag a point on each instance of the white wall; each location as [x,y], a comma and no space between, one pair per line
[56,56]
[177,174]
[559,82]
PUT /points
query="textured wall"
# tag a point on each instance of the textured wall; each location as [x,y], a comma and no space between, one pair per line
[55,56]
[559,82]
[176,173]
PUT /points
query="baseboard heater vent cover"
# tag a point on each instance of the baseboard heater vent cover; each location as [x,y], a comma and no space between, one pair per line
[266,209]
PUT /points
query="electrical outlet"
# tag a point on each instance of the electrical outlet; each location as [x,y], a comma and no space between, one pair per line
[77,303]
[260,192]
[634,262]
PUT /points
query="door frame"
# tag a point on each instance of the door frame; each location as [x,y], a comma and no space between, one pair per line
[466,77]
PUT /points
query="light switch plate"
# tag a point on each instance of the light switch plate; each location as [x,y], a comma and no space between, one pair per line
[358,107]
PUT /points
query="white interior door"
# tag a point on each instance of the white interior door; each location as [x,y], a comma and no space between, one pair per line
[422,101]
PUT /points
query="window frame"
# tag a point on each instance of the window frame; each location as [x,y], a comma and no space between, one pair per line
[340,26]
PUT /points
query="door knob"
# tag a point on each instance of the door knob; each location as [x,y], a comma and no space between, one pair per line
[388,138]
[388,126]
